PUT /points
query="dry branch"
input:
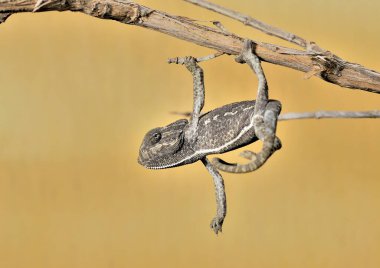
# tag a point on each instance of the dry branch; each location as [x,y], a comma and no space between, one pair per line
[329,114]
[249,21]
[316,115]
[324,65]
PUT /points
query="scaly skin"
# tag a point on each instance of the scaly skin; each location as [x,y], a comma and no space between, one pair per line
[221,130]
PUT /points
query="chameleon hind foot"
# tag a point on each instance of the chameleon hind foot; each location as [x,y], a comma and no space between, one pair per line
[216,224]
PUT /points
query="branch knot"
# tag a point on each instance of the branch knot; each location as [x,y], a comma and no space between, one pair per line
[128,13]
[328,65]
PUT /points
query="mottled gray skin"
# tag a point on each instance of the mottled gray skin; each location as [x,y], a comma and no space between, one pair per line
[218,131]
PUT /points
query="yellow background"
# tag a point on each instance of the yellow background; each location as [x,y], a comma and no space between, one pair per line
[77,96]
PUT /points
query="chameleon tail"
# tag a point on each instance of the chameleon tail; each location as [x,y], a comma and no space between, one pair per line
[256,160]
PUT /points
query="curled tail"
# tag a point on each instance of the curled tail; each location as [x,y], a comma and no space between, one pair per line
[256,160]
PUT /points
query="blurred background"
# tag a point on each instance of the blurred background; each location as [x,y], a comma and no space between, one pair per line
[78,94]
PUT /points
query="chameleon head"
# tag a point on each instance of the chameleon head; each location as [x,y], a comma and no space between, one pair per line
[161,146]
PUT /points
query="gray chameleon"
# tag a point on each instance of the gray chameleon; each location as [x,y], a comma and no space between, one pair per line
[218,131]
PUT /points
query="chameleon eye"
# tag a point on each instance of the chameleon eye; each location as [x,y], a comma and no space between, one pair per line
[156,137]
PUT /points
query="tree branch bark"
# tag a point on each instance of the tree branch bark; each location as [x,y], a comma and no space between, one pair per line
[329,114]
[317,115]
[323,65]
[249,21]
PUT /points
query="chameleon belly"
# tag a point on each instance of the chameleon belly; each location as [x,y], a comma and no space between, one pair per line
[226,128]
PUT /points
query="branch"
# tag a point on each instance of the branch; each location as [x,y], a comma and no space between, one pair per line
[259,25]
[329,114]
[317,115]
[323,65]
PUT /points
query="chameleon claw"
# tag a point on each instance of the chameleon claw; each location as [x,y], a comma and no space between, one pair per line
[188,60]
[190,63]
[247,49]
[216,224]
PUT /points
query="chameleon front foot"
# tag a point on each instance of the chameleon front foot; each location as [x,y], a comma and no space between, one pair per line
[216,224]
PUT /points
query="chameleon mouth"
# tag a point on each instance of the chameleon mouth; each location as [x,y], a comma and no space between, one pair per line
[159,167]
[150,166]
[154,168]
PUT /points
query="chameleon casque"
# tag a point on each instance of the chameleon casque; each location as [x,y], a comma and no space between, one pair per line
[218,131]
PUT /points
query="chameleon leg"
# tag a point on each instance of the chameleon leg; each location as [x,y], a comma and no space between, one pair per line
[264,119]
[198,95]
[271,143]
[221,203]
[247,56]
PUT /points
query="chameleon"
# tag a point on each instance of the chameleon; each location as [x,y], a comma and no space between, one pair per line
[218,131]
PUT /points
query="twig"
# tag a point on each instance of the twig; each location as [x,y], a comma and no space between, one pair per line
[333,69]
[330,114]
[179,60]
[259,25]
[317,115]
[220,26]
